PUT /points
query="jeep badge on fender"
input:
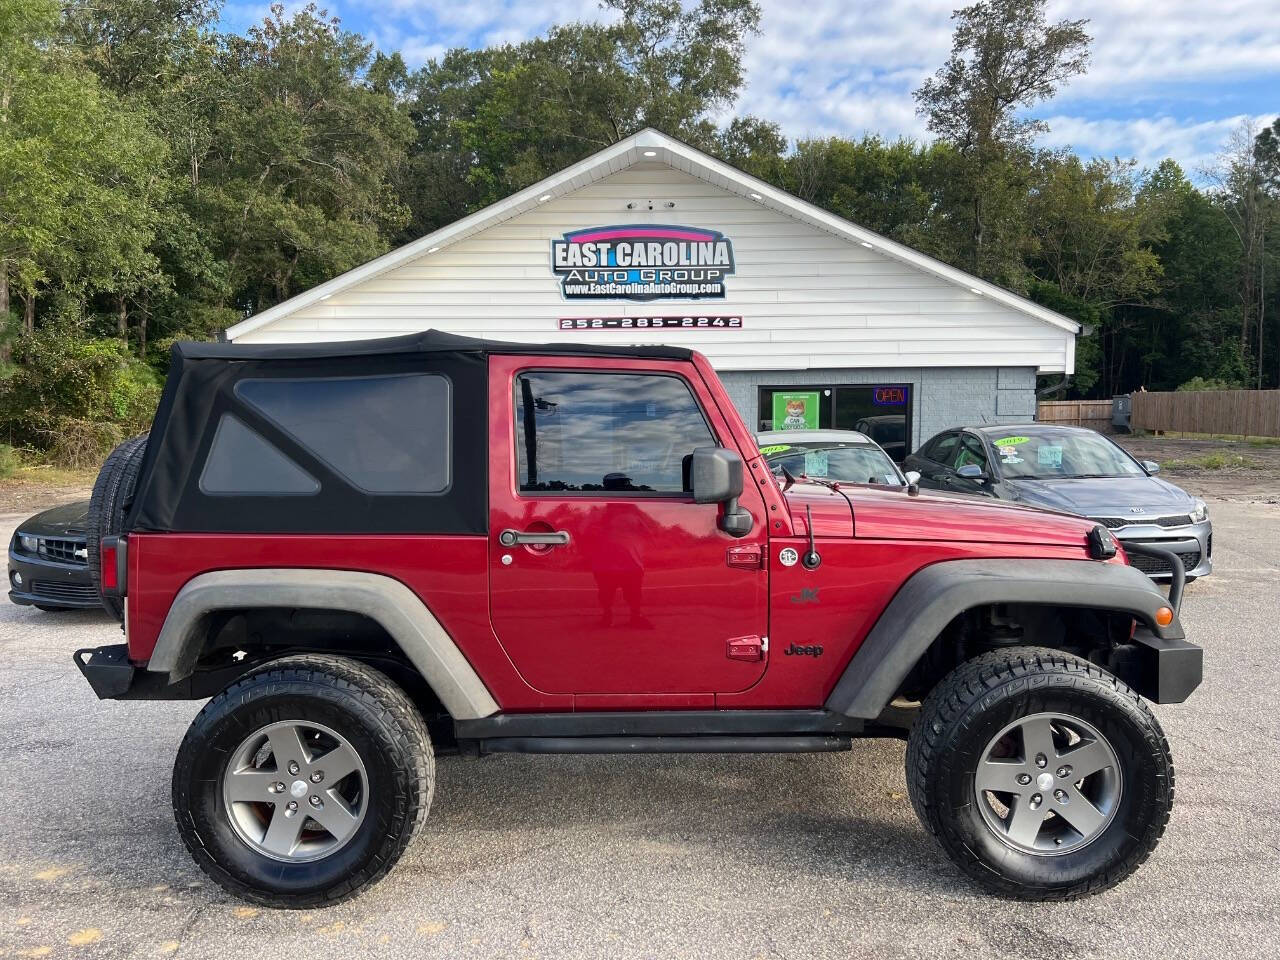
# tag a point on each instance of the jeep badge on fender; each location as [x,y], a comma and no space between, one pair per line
[803,651]
[363,553]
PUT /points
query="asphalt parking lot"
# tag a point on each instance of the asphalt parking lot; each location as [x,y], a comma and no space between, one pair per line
[807,856]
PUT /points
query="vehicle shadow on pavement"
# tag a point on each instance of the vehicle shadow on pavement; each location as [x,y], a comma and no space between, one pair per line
[821,815]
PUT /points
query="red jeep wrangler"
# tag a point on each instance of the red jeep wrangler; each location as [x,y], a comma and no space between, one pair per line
[369,552]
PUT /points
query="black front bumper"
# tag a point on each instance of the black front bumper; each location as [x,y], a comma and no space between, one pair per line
[51,584]
[1162,671]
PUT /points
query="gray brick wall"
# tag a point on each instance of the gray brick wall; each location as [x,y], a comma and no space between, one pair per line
[941,397]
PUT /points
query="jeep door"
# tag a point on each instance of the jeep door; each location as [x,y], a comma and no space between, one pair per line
[618,583]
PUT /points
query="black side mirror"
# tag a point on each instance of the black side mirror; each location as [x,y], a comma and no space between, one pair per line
[971,471]
[715,476]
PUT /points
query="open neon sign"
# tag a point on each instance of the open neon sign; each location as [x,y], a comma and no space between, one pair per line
[889,396]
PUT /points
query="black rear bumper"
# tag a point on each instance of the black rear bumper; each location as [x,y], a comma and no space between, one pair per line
[113,677]
[107,669]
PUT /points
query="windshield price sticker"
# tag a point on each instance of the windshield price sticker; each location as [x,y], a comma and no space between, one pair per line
[775,448]
[1049,456]
[1011,441]
[650,323]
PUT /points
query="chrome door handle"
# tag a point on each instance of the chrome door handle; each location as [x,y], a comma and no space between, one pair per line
[554,538]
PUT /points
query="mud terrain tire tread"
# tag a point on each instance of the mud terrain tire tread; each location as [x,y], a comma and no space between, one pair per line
[374,701]
[984,683]
[111,493]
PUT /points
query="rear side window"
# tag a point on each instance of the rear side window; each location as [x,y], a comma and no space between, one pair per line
[943,449]
[242,463]
[969,452]
[385,435]
[605,432]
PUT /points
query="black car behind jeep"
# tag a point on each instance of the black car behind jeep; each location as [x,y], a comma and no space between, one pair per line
[49,561]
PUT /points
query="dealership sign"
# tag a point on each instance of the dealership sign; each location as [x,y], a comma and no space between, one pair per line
[642,262]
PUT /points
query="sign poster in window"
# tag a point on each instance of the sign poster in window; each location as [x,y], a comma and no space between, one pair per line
[795,410]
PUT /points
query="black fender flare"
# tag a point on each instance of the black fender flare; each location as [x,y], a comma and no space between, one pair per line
[931,598]
[387,601]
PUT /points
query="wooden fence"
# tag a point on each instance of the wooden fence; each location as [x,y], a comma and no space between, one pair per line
[1078,413]
[1241,413]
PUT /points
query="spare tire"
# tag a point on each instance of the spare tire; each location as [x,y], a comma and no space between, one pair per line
[112,492]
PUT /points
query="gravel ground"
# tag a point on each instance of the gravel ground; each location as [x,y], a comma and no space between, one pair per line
[807,857]
[1241,471]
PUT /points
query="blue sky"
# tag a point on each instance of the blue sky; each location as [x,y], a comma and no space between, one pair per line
[1168,77]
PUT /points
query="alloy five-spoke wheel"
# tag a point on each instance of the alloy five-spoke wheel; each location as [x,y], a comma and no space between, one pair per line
[1048,784]
[1042,775]
[295,791]
[304,781]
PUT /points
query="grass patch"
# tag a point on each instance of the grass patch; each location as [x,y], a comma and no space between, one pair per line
[10,462]
[20,469]
[1232,438]
[1218,460]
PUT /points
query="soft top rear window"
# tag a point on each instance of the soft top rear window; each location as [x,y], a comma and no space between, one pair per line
[387,434]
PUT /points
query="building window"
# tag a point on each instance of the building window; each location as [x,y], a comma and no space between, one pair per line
[605,432]
[881,411]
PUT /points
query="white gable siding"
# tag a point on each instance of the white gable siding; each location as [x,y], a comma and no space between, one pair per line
[807,297]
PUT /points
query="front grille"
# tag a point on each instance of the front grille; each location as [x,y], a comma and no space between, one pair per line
[1115,523]
[1158,565]
[72,592]
[64,550]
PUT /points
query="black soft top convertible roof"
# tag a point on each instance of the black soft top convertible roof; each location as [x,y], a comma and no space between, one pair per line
[429,341]
[365,436]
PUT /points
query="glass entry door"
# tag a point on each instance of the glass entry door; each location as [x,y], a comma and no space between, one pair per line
[881,411]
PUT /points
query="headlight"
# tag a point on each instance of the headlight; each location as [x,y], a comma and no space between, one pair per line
[28,543]
[1200,511]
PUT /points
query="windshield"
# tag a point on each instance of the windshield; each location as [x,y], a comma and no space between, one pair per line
[1056,454]
[846,462]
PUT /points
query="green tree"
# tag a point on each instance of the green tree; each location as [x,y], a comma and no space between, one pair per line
[1005,56]
[302,152]
[898,189]
[491,122]
[79,191]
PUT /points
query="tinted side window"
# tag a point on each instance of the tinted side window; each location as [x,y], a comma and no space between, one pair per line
[969,452]
[386,434]
[615,432]
[943,448]
[242,463]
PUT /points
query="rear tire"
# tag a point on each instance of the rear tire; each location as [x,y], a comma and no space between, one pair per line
[112,494]
[352,818]
[1081,773]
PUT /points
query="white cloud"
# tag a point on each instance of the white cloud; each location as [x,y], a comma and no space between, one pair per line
[1150,139]
[1167,78]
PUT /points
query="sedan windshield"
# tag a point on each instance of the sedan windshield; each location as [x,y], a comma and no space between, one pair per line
[1058,454]
[846,462]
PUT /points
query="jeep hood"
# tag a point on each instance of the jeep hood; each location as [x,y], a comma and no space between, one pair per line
[829,508]
[890,514]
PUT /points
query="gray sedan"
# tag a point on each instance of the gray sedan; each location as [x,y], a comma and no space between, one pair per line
[1076,471]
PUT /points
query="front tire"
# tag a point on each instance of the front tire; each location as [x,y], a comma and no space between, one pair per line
[1042,775]
[303,783]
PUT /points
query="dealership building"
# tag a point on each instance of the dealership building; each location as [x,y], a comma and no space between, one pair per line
[810,319]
